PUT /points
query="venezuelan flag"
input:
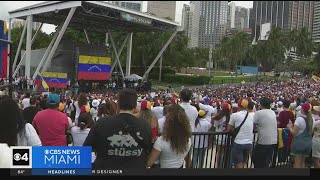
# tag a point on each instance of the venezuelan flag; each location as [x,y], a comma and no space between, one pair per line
[40,82]
[55,80]
[3,49]
[94,68]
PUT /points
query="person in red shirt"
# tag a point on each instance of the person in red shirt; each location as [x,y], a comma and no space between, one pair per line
[285,116]
[52,125]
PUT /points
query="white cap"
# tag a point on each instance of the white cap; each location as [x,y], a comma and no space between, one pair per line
[280,103]
[95,103]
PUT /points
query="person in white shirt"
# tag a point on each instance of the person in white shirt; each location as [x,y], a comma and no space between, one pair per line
[157,109]
[220,122]
[79,133]
[14,131]
[206,107]
[302,130]
[316,138]
[172,147]
[200,141]
[94,110]
[265,121]
[242,145]
[163,119]
[191,111]
[26,101]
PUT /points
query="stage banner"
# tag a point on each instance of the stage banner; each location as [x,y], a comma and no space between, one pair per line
[94,68]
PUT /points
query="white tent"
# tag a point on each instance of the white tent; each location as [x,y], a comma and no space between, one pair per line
[133,77]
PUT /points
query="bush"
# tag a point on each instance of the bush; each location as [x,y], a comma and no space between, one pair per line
[190,80]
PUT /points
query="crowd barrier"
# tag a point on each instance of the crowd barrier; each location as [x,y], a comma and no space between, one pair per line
[213,150]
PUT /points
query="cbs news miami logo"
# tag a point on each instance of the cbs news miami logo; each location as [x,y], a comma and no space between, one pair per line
[53,160]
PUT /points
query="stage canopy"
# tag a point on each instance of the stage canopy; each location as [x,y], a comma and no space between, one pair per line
[89,16]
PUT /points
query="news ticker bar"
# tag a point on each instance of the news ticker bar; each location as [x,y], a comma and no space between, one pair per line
[161,172]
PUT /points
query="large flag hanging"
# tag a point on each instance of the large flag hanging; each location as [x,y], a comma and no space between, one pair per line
[3,49]
[55,80]
[40,82]
[94,68]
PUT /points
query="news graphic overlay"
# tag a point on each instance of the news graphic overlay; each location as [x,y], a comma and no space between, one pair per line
[21,160]
[58,160]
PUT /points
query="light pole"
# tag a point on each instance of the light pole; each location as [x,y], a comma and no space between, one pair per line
[210,60]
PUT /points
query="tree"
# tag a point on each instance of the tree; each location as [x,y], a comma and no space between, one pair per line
[304,44]
[42,40]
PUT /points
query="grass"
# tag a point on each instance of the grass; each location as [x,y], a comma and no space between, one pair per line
[215,81]
[164,85]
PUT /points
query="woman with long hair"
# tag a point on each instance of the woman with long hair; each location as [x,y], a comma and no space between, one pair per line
[174,144]
[14,130]
[109,108]
[79,133]
[147,115]
[302,136]
[220,122]
[81,101]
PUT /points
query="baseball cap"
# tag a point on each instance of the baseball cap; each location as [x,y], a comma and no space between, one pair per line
[306,106]
[53,98]
[61,106]
[226,106]
[243,102]
[201,113]
[95,103]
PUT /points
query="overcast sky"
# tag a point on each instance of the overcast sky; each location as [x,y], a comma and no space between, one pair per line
[11,5]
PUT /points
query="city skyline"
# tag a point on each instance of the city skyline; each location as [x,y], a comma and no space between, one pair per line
[47,28]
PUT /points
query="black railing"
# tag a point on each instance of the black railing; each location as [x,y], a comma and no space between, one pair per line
[213,150]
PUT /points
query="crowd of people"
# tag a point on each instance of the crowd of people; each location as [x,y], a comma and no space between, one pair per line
[130,130]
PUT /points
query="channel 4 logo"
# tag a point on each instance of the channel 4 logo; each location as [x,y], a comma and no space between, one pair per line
[21,157]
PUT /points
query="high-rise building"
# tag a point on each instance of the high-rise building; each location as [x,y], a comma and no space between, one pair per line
[241,18]
[238,17]
[20,23]
[162,9]
[185,21]
[287,15]
[209,23]
[231,15]
[316,22]
[133,5]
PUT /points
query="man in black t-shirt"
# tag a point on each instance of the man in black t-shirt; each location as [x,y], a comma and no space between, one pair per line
[31,111]
[43,102]
[121,141]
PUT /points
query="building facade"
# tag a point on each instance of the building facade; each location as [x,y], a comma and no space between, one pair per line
[133,5]
[209,23]
[162,9]
[241,18]
[316,22]
[287,15]
[185,20]
[17,23]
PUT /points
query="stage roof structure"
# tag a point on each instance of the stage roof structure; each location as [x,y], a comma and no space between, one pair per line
[89,16]
[94,15]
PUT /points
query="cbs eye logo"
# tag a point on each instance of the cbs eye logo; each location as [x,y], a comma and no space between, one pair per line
[21,157]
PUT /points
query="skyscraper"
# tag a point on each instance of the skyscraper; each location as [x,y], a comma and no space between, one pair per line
[231,15]
[185,21]
[133,5]
[238,17]
[209,22]
[287,15]
[162,9]
[316,22]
